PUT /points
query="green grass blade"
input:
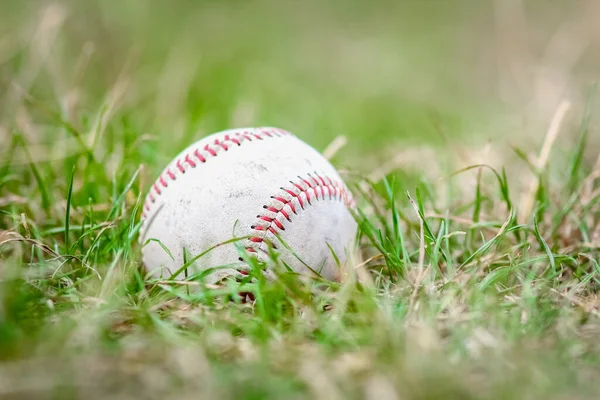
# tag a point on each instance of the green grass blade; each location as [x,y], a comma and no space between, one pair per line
[68,210]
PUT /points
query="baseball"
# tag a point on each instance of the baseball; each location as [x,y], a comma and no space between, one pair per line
[263,186]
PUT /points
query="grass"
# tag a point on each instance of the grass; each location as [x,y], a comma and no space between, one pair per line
[475,279]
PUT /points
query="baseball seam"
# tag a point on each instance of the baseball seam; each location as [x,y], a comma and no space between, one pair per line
[288,201]
[201,155]
[300,194]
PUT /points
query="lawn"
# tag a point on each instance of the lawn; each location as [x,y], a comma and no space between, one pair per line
[467,131]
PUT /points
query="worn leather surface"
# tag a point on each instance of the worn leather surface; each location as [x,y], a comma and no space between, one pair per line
[256,184]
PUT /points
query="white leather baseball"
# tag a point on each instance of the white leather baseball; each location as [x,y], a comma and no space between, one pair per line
[259,184]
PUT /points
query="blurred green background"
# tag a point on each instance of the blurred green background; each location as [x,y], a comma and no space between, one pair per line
[386,74]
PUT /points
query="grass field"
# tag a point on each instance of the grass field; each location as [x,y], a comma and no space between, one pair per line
[470,139]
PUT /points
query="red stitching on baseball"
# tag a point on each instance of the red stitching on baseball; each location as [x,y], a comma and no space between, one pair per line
[280,199]
[181,164]
[189,161]
[288,191]
[273,224]
[301,202]
[296,192]
[210,150]
[286,215]
[300,188]
[308,195]
[223,145]
[293,207]
[180,167]
[317,186]
[199,156]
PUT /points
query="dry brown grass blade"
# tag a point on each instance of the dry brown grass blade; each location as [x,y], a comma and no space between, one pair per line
[7,237]
[362,264]
[11,237]
[334,147]
[528,198]
[421,263]
[577,302]
[362,273]
[460,220]
[187,283]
